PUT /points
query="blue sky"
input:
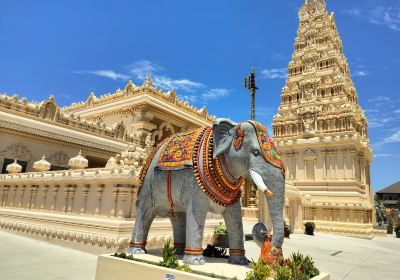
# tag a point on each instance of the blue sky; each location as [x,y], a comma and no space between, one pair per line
[203,49]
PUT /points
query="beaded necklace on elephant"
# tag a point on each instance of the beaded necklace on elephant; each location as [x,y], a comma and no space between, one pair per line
[216,189]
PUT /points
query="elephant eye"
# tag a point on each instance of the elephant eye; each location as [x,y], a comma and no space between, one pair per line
[256,153]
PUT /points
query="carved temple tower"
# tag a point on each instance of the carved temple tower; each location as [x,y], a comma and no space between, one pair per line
[322,132]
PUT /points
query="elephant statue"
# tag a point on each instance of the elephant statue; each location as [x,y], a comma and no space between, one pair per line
[202,170]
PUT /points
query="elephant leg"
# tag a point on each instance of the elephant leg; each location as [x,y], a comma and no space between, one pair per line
[144,219]
[195,218]
[234,226]
[178,222]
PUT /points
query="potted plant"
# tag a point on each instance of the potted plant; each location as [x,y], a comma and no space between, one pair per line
[397,230]
[287,230]
[221,236]
[309,228]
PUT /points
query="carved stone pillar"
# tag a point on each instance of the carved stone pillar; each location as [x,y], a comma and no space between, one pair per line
[66,199]
[22,195]
[72,191]
[56,188]
[13,195]
[44,197]
[123,209]
[34,190]
[115,192]
[3,192]
[99,193]
[85,192]
[353,164]
[335,160]
[133,201]
[6,194]
[324,164]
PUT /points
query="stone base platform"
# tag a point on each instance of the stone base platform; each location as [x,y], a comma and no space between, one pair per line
[348,229]
[109,267]
[95,234]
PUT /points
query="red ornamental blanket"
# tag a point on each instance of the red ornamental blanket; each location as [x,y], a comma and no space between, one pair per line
[176,153]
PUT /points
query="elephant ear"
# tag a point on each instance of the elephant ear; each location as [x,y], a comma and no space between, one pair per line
[223,133]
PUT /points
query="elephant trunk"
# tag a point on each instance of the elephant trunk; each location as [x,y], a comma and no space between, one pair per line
[275,205]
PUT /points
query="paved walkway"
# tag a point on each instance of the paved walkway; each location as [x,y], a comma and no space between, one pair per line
[23,258]
[343,257]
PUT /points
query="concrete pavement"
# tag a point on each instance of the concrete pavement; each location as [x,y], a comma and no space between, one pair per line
[343,257]
[25,258]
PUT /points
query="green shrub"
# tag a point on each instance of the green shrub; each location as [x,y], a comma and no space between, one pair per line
[220,229]
[260,271]
[283,273]
[170,259]
[304,265]
[120,255]
[185,267]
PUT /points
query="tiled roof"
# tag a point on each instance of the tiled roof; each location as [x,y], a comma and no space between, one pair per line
[395,188]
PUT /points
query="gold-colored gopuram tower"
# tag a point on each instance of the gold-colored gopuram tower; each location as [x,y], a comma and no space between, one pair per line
[322,133]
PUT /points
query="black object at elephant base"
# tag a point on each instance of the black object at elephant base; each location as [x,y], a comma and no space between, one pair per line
[215,252]
[287,230]
[309,228]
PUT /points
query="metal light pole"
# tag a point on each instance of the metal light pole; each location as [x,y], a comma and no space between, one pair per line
[250,84]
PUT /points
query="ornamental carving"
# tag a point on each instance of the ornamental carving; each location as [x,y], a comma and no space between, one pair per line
[59,158]
[164,130]
[49,109]
[17,151]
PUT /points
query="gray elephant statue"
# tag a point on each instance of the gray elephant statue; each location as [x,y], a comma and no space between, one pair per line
[202,170]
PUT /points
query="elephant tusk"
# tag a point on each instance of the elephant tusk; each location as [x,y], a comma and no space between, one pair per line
[258,180]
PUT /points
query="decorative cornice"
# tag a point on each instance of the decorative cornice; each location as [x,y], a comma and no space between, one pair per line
[94,175]
[30,126]
[130,90]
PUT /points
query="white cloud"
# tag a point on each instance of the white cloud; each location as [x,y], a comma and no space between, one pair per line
[140,70]
[379,98]
[168,83]
[394,138]
[388,16]
[106,74]
[379,121]
[274,73]
[353,12]
[215,93]
[209,95]
[397,111]
[385,156]
[278,56]
[360,73]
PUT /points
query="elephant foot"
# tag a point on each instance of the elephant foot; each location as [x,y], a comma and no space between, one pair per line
[240,260]
[136,251]
[194,259]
